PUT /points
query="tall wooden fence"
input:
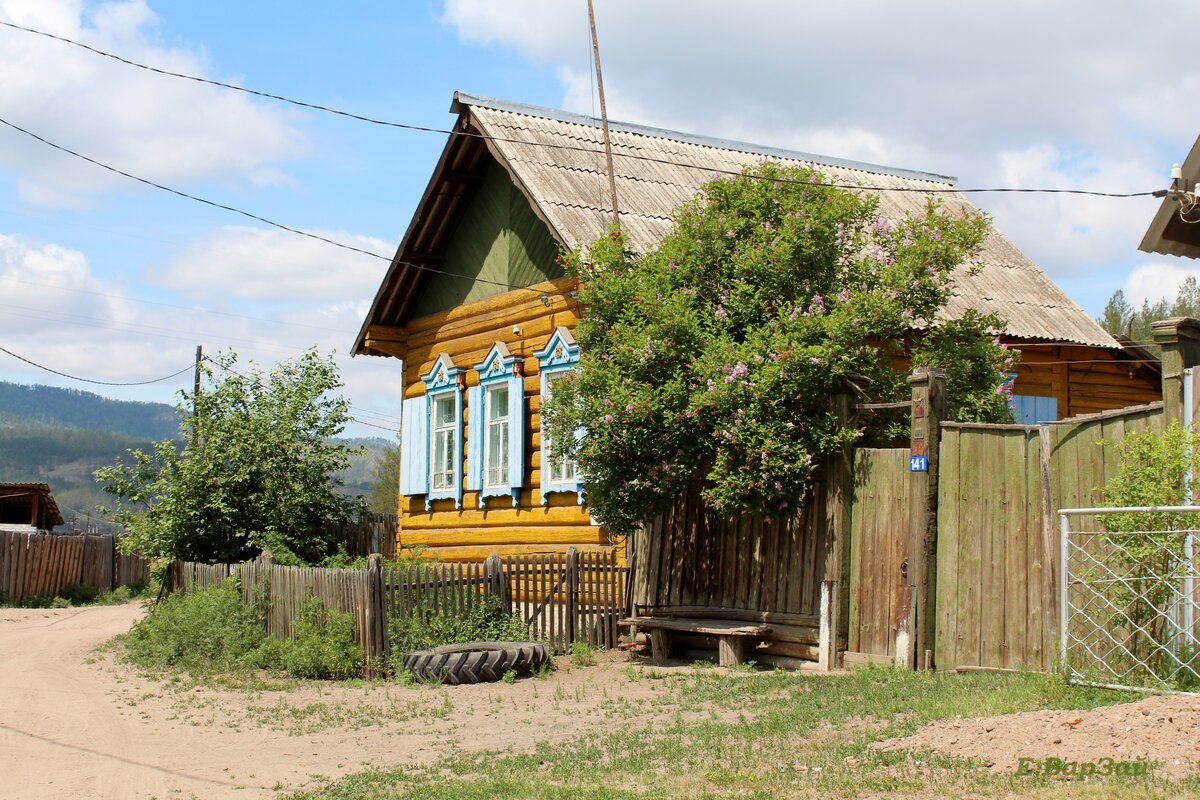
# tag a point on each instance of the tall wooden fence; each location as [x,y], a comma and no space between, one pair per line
[997,556]
[45,564]
[562,597]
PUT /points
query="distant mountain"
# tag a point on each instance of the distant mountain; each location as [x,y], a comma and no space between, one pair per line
[72,408]
[61,436]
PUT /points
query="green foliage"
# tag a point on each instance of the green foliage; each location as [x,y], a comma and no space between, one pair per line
[203,631]
[256,472]
[509,676]
[715,355]
[1121,318]
[1155,470]
[486,620]
[323,644]
[385,482]
[582,654]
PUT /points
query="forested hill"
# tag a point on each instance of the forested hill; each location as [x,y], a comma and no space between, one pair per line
[72,408]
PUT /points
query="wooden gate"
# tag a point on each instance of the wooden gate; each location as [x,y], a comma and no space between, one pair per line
[879,530]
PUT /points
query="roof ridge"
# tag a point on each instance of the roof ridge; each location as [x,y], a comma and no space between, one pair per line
[467,99]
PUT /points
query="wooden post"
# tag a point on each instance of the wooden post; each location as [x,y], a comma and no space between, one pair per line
[572,582]
[826,631]
[928,411]
[375,618]
[496,581]
[1179,338]
[33,515]
[904,652]
[839,491]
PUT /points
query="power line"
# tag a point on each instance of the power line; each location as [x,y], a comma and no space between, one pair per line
[553,145]
[249,215]
[89,380]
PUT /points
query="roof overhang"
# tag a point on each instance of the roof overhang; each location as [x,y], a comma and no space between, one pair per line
[1172,232]
[21,497]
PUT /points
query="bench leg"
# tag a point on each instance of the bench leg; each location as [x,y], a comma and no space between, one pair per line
[660,646]
[730,650]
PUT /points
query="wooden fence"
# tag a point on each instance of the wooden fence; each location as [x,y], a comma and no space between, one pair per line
[44,564]
[563,598]
[997,554]
[371,533]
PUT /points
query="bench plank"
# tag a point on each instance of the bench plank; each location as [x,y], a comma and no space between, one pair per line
[704,627]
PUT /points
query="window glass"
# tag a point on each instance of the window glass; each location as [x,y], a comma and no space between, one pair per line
[442,443]
[496,442]
[562,469]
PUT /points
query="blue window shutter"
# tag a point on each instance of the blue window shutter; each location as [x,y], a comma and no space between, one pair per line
[516,436]
[544,468]
[473,480]
[579,434]
[414,446]
[1031,410]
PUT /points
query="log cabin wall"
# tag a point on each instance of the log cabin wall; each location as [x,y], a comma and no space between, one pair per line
[1083,379]
[523,320]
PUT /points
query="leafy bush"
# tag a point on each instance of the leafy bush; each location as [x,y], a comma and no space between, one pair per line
[77,594]
[323,645]
[203,631]
[486,620]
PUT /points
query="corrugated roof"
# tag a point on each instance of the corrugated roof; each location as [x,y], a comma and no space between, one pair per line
[1168,233]
[20,496]
[557,159]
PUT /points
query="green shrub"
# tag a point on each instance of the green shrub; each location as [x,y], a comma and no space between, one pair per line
[78,594]
[486,620]
[323,645]
[203,631]
[582,654]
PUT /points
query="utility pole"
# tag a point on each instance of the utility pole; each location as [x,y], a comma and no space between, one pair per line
[612,178]
[196,389]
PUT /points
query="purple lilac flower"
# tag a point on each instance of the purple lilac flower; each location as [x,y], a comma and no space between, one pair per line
[608,419]
[721,314]
[843,295]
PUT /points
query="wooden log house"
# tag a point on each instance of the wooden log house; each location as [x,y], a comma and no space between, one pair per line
[476,306]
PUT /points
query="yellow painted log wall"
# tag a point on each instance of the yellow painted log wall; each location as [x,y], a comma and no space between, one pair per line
[466,333]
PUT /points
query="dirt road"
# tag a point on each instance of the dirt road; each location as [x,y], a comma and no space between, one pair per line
[74,723]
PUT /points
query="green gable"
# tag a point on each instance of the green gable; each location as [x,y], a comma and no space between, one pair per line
[498,240]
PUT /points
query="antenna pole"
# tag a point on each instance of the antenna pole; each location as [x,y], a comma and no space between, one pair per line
[612,178]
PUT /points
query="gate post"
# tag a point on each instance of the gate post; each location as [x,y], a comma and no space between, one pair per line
[928,386]
[572,568]
[1179,338]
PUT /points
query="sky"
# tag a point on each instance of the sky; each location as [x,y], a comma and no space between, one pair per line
[106,278]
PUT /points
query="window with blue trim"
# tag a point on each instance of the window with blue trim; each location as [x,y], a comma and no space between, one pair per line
[556,361]
[496,427]
[431,437]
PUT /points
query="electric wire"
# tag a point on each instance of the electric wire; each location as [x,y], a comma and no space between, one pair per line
[89,380]
[555,145]
[255,217]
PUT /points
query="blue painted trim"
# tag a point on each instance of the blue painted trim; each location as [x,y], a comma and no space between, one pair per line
[443,377]
[501,366]
[561,354]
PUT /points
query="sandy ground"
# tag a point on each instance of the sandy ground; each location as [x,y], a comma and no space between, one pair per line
[74,723]
[1161,729]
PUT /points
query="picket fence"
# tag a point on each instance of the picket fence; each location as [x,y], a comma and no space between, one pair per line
[561,597]
[45,564]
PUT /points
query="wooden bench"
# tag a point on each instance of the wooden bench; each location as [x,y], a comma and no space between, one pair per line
[731,635]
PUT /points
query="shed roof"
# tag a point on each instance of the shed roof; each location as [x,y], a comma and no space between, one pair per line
[16,504]
[1170,233]
[557,159]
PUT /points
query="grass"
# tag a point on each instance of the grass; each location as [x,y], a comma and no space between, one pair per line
[767,735]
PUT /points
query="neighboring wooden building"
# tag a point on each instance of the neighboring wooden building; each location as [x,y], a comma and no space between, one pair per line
[1175,229]
[28,507]
[476,306]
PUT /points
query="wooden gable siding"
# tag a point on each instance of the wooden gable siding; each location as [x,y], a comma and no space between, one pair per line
[466,334]
[1083,379]
[497,242]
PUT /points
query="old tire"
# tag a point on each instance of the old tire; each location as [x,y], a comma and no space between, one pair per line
[475,662]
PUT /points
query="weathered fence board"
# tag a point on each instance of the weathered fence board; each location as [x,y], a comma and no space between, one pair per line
[879,530]
[562,597]
[44,564]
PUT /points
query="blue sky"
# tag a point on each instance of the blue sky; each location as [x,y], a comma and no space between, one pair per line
[107,279]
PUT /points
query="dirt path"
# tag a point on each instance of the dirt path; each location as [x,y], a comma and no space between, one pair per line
[76,724]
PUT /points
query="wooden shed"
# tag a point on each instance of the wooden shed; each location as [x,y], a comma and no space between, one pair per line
[28,507]
[476,306]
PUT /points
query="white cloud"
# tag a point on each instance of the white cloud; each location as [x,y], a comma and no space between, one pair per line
[1158,280]
[274,266]
[161,128]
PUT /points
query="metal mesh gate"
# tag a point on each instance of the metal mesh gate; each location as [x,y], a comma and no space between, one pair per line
[1128,602]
